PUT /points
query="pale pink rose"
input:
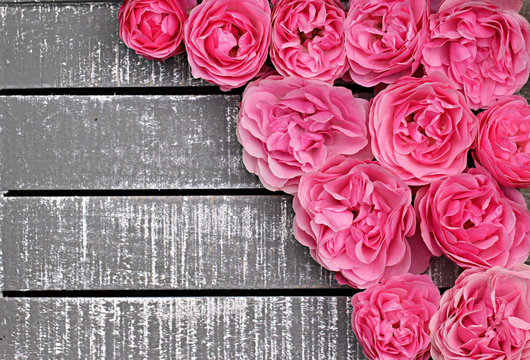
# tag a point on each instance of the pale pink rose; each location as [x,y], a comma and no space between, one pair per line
[291,126]
[228,40]
[308,39]
[483,49]
[486,315]
[391,319]
[503,144]
[422,129]
[469,219]
[355,218]
[154,29]
[384,39]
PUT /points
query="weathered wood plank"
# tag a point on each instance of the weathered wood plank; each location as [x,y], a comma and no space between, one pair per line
[179,328]
[54,45]
[229,242]
[236,242]
[121,142]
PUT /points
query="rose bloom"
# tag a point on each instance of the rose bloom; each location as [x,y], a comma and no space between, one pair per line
[469,219]
[308,39]
[290,126]
[503,145]
[391,319]
[154,29]
[228,40]
[486,315]
[384,39]
[483,49]
[422,129]
[355,218]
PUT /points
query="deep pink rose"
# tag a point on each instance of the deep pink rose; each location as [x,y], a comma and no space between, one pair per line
[486,315]
[482,48]
[391,319]
[384,39]
[355,218]
[308,39]
[422,129]
[469,219]
[290,126]
[503,144]
[228,40]
[154,29]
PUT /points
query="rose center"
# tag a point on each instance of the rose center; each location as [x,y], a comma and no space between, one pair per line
[308,36]
[468,224]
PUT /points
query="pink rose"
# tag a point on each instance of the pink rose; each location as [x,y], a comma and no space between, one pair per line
[469,219]
[422,129]
[486,315]
[384,39]
[228,40]
[503,145]
[515,5]
[391,319]
[355,216]
[482,48]
[290,126]
[308,39]
[154,29]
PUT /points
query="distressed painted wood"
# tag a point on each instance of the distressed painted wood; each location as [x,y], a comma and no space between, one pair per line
[236,242]
[54,45]
[121,142]
[116,243]
[178,328]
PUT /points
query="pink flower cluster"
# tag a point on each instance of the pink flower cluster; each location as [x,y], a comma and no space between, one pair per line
[354,166]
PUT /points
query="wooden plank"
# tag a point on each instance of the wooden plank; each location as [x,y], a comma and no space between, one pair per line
[229,242]
[54,45]
[116,243]
[179,328]
[121,142]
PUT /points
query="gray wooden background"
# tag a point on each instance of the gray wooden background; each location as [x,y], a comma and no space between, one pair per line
[95,261]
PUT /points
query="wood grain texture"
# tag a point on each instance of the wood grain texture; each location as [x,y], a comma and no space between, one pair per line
[54,45]
[236,242]
[178,328]
[121,142]
[117,243]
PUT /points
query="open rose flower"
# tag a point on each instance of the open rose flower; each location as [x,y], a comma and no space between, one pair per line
[154,29]
[503,145]
[355,218]
[228,40]
[290,126]
[384,39]
[391,320]
[483,49]
[422,129]
[469,219]
[308,39]
[486,315]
